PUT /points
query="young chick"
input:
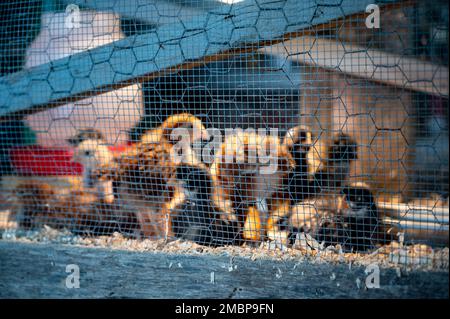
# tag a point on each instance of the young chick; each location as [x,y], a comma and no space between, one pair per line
[298,141]
[336,167]
[34,199]
[94,155]
[356,226]
[305,217]
[78,211]
[250,168]
[300,191]
[194,215]
[296,186]
[143,172]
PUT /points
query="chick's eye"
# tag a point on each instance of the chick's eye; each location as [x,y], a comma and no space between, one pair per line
[87,153]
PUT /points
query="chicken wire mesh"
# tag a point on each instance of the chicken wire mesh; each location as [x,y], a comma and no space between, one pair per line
[310,125]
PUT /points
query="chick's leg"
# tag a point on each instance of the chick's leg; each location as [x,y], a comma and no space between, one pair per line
[252,227]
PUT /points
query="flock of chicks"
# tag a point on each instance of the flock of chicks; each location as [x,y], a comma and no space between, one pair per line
[147,191]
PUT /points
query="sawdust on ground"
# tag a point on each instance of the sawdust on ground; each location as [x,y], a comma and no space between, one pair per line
[395,255]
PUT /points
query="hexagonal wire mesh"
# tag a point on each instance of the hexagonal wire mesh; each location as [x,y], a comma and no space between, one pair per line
[301,125]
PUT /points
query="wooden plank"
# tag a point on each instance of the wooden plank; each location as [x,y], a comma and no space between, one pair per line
[415,212]
[153,12]
[420,232]
[417,225]
[39,271]
[374,65]
[245,27]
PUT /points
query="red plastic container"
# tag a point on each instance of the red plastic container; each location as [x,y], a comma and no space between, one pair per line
[45,161]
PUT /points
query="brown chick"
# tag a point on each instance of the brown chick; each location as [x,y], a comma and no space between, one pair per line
[143,173]
[336,169]
[250,168]
[78,211]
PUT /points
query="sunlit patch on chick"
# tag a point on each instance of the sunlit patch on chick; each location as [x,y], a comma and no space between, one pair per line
[277,223]
[250,168]
[194,215]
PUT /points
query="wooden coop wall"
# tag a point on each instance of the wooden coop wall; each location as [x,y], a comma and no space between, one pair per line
[378,117]
[372,98]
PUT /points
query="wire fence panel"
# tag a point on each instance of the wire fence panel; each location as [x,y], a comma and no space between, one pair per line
[309,127]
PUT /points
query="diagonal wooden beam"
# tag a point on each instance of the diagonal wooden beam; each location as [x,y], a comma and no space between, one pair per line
[153,12]
[243,27]
[374,65]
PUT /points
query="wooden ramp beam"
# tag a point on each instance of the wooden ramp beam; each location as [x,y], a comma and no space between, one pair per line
[415,213]
[243,27]
[153,12]
[374,65]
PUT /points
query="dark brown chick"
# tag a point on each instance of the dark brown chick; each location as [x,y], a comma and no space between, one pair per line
[193,213]
[336,169]
[143,173]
